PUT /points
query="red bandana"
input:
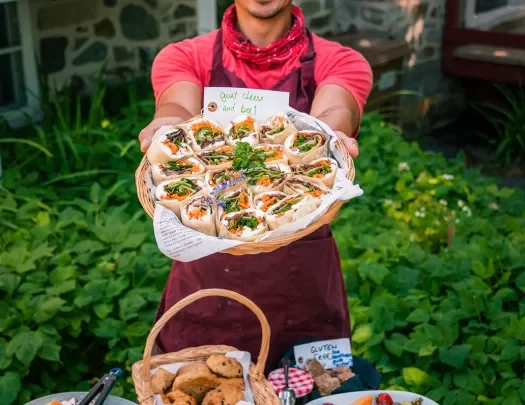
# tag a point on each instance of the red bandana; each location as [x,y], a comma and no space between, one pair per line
[271,56]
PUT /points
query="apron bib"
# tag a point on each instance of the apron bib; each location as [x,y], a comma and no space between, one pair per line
[299,287]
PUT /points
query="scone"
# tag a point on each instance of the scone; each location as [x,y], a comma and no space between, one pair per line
[315,368]
[178,397]
[326,384]
[196,384]
[224,366]
[342,373]
[225,394]
[161,381]
[194,367]
[165,399]
[237,382]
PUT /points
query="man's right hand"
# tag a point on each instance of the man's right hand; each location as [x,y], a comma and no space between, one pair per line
[146,135]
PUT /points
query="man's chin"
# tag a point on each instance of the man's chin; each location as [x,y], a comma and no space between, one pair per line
[265,14]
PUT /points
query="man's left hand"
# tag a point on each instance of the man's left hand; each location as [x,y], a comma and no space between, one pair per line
[350,143]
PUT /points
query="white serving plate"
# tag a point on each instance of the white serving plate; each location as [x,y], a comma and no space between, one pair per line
[348,398]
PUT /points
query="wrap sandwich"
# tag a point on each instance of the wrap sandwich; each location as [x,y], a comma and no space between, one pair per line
[172,193]
[234,199]
[221,179]
[323,169]
[290,209]
[205,134]
[189,166]
[242,129]
[267,178]
[273,154]
[305,185]
[218,159]
[276,129]
[306,146]
[245,225]
[268,199]
[170,145]
[199,214]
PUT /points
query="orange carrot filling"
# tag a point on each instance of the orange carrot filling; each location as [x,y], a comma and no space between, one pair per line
[173,148]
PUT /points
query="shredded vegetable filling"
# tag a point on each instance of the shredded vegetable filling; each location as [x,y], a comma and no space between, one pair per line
[236,224]
[180,189]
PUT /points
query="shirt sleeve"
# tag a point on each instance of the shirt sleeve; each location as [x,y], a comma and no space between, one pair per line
[174,63]
[344,67]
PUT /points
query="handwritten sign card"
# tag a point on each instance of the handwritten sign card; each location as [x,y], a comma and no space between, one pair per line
[223,104]
[330,353]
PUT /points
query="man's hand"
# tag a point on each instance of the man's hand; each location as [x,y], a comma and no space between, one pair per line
[146,135]
[351,144]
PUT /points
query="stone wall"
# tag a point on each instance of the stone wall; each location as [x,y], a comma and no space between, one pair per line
[76,37]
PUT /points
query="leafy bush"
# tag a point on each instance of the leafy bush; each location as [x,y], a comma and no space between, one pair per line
[431,256]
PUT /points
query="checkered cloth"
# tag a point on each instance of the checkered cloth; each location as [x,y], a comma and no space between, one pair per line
[301,382]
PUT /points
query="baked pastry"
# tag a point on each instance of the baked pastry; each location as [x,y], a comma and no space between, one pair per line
[342,373]
[196,384]
[326,384]
[165,399]
[224,366]
[225,394]
[195,368]
[161,381]
[237,382]
[315,368]
[178,397]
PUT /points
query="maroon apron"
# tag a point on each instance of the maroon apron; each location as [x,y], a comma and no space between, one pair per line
[299,287]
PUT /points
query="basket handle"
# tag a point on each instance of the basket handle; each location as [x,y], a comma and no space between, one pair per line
[265,326]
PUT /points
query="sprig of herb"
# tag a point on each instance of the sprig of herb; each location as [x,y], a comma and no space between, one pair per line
[180,187]
[174,166]
[247,157]
[287,207]
[239,223]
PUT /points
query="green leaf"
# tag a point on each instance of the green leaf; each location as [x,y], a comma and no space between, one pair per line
[25,346]
[416,377]
[49,351]
[5,359]
[520,281]
[455,356]
[394,347]
[362,334]
[138,329]
[419,315]
[510,352]
[10,386]
[103,310]
[48,309]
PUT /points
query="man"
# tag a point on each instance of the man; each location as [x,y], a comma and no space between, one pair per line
[262,44]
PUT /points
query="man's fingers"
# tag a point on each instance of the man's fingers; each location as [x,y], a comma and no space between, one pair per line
[145,138]
[351,144]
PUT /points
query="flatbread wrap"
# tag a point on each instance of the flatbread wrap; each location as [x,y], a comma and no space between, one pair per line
[290,209]
[219,180]
[199,214]
[188,166]
[305,185]
[170,145]
[205,134]
[268,199]
[305,146]
[276,129]
[323,169]
[172,193]
[217,159]
[242,129]
[245,225]
[274,154]
[267,178]
[234,199]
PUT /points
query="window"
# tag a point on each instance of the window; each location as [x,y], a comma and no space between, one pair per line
[18,77]
[485,14]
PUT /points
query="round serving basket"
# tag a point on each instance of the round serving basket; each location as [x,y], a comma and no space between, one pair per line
[263,392]
[266,246]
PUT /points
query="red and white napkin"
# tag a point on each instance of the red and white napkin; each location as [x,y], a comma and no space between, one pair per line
[301,382]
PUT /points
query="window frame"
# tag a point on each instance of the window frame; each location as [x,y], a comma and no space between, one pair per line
[490,18]
[17,116]
[206,16]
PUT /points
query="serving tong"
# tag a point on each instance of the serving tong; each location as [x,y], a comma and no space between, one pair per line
[287,394]
[102,388]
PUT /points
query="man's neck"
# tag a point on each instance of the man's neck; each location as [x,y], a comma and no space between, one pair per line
[262,33]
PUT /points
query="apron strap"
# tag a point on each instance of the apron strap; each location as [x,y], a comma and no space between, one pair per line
[216,65]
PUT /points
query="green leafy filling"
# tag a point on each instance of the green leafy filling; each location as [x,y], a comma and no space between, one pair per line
[287,207]
[239,223]
[206,135]
[181,187]
[240,132]
[304,144]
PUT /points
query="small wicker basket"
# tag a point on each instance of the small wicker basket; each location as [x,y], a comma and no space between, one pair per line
[263,392]
[266,246]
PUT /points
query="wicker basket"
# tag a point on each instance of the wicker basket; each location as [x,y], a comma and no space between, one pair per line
[263,392]
[266,246]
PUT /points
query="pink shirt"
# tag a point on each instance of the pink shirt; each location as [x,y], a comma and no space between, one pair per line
[191,60]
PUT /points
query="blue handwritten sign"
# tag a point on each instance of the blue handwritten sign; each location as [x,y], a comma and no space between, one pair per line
[330,353]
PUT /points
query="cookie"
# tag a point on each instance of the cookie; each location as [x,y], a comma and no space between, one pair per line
[165,399]
[194,367]
[315,368]
[342,373]
[196,384]
[225,394]
[326,384]
[161,381]
[224,366]
[237,382]
[178,397]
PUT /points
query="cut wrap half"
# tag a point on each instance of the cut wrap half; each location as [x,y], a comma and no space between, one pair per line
[242,129]
[323,169]
[205,134]
[305,185]
[170,145]
[246,225]
[188,166]
[199,214]
[172,193]
[274,154]
[267,179]
[305,146]
[218,159]
[219,180]
[234,199]
[290,209]
[268,199]
[276,129]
